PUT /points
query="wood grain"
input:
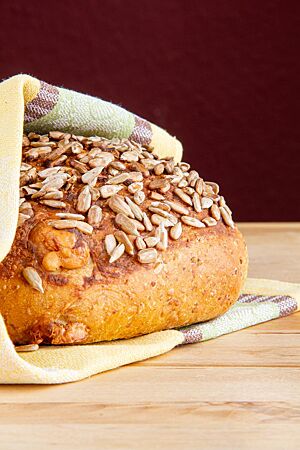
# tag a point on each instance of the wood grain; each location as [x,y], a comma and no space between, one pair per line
[241,391]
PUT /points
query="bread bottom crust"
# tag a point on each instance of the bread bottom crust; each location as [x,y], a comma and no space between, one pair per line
[196,282]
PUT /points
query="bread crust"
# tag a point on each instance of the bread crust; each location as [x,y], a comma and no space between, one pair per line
[201,277]
[83,295]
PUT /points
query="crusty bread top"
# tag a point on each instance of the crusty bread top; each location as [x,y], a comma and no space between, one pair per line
[92,199]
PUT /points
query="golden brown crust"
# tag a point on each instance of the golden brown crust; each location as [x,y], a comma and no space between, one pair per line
[87,299]
[201,277]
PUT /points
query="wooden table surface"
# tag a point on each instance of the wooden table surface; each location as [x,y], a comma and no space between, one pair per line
[241,391]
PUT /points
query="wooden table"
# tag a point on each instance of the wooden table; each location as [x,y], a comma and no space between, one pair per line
[241,391]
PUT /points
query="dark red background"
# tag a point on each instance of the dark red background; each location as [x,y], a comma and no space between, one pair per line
[223,76]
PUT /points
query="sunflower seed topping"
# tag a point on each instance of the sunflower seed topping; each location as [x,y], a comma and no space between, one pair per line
[183,196]
[93,179]
[192,222]
[140,243]
[147,256]
[110,243]
[215,212]
[94,215]
[117,253]
[108,190]
[84,200]
[176,231]
[209,221]
[33,278]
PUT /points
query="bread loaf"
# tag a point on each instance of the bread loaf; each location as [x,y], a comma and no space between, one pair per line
[113,242]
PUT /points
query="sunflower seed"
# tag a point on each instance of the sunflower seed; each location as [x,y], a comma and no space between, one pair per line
[112,171]
[215,187]
[159,169]
[25,167]
[196,202]
[215,212]
[147,256]
[161,205]
[70,216]
[184,166]
[209,221]
[228,209]
[58,161]
[56,135]
[55,154]
[139,197]
[33,278]
[84,200]
[177,207]
[140,244]
[137,212]
[108,190]
[118,179]
[53,195]
[176,231]
[94,215]
[226,217]
[110,243]
[42,142]
[199,186]
[156,196]
[189,190]
[118,165]
[122,238]
[147,223]
[65,224]
[79,166]
[206,202]
[151,241]
[26,348]
[130,156]
[182,183]
[156,219]
[192,222]
[103,159]
[126,224]
[35,153]
[54,184]
[135,176]
[183,196]
[53,203]
[163,237]
[159,211]
[192,178]
[118,205]
[149,163]
[48,172]
[90,176]
[117,253]
[95,194]
[135,187]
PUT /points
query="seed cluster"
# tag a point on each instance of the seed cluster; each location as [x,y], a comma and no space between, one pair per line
[150,198]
